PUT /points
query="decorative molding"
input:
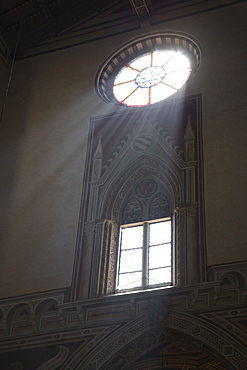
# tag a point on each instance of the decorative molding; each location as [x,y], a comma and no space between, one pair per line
[89,228]
[56,361]
[142,8]
[131,50]
[212,315]
[143,166]
[121,307]
[216,272]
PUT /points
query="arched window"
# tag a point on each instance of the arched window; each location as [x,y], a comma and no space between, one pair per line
[144,255]
[142,169]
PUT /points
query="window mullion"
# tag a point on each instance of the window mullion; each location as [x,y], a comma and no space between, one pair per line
[145,255]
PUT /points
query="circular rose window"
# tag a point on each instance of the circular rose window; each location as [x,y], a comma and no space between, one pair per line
[148,70]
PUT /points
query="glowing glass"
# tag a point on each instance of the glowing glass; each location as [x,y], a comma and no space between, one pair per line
[151,78]
[145,255]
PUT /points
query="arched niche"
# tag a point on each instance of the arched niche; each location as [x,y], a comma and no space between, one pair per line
[20,318]
[46,309]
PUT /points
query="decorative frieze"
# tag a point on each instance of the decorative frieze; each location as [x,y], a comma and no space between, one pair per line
[106,325]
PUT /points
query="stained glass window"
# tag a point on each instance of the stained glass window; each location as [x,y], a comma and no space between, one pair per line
[145,255]
[148,69]
[151,78]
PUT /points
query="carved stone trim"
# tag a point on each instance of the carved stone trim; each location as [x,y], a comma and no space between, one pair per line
[216,272]
[143,166]
[89,228]
[215,339]
[56,361]
[209,312]
[191,210]
[115,343]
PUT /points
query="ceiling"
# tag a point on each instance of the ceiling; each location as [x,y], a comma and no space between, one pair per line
[25,23]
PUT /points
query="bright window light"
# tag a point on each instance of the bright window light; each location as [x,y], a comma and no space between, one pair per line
[151,78]
[145,255]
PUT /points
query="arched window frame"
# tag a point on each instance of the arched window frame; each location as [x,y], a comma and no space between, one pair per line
[105,189]
[113,202]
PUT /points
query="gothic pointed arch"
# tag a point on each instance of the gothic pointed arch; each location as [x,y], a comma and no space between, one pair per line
[146,162]
[142,167]
[129,181]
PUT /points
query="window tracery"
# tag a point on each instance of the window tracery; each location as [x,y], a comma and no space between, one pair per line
[148,69]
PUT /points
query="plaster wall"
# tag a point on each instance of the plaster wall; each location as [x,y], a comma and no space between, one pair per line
[44,138]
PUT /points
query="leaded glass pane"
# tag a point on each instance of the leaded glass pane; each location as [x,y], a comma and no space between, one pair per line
[130,280]
[160,256]
[160,92]
[126,74]
[139,97]
[132,237]
[177,79]
[141,62]
[131,260]
[124,90]
[160,276]
[178,62]
[151,77]
[130,263]
[132,266]
[160,58]
[160,232]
